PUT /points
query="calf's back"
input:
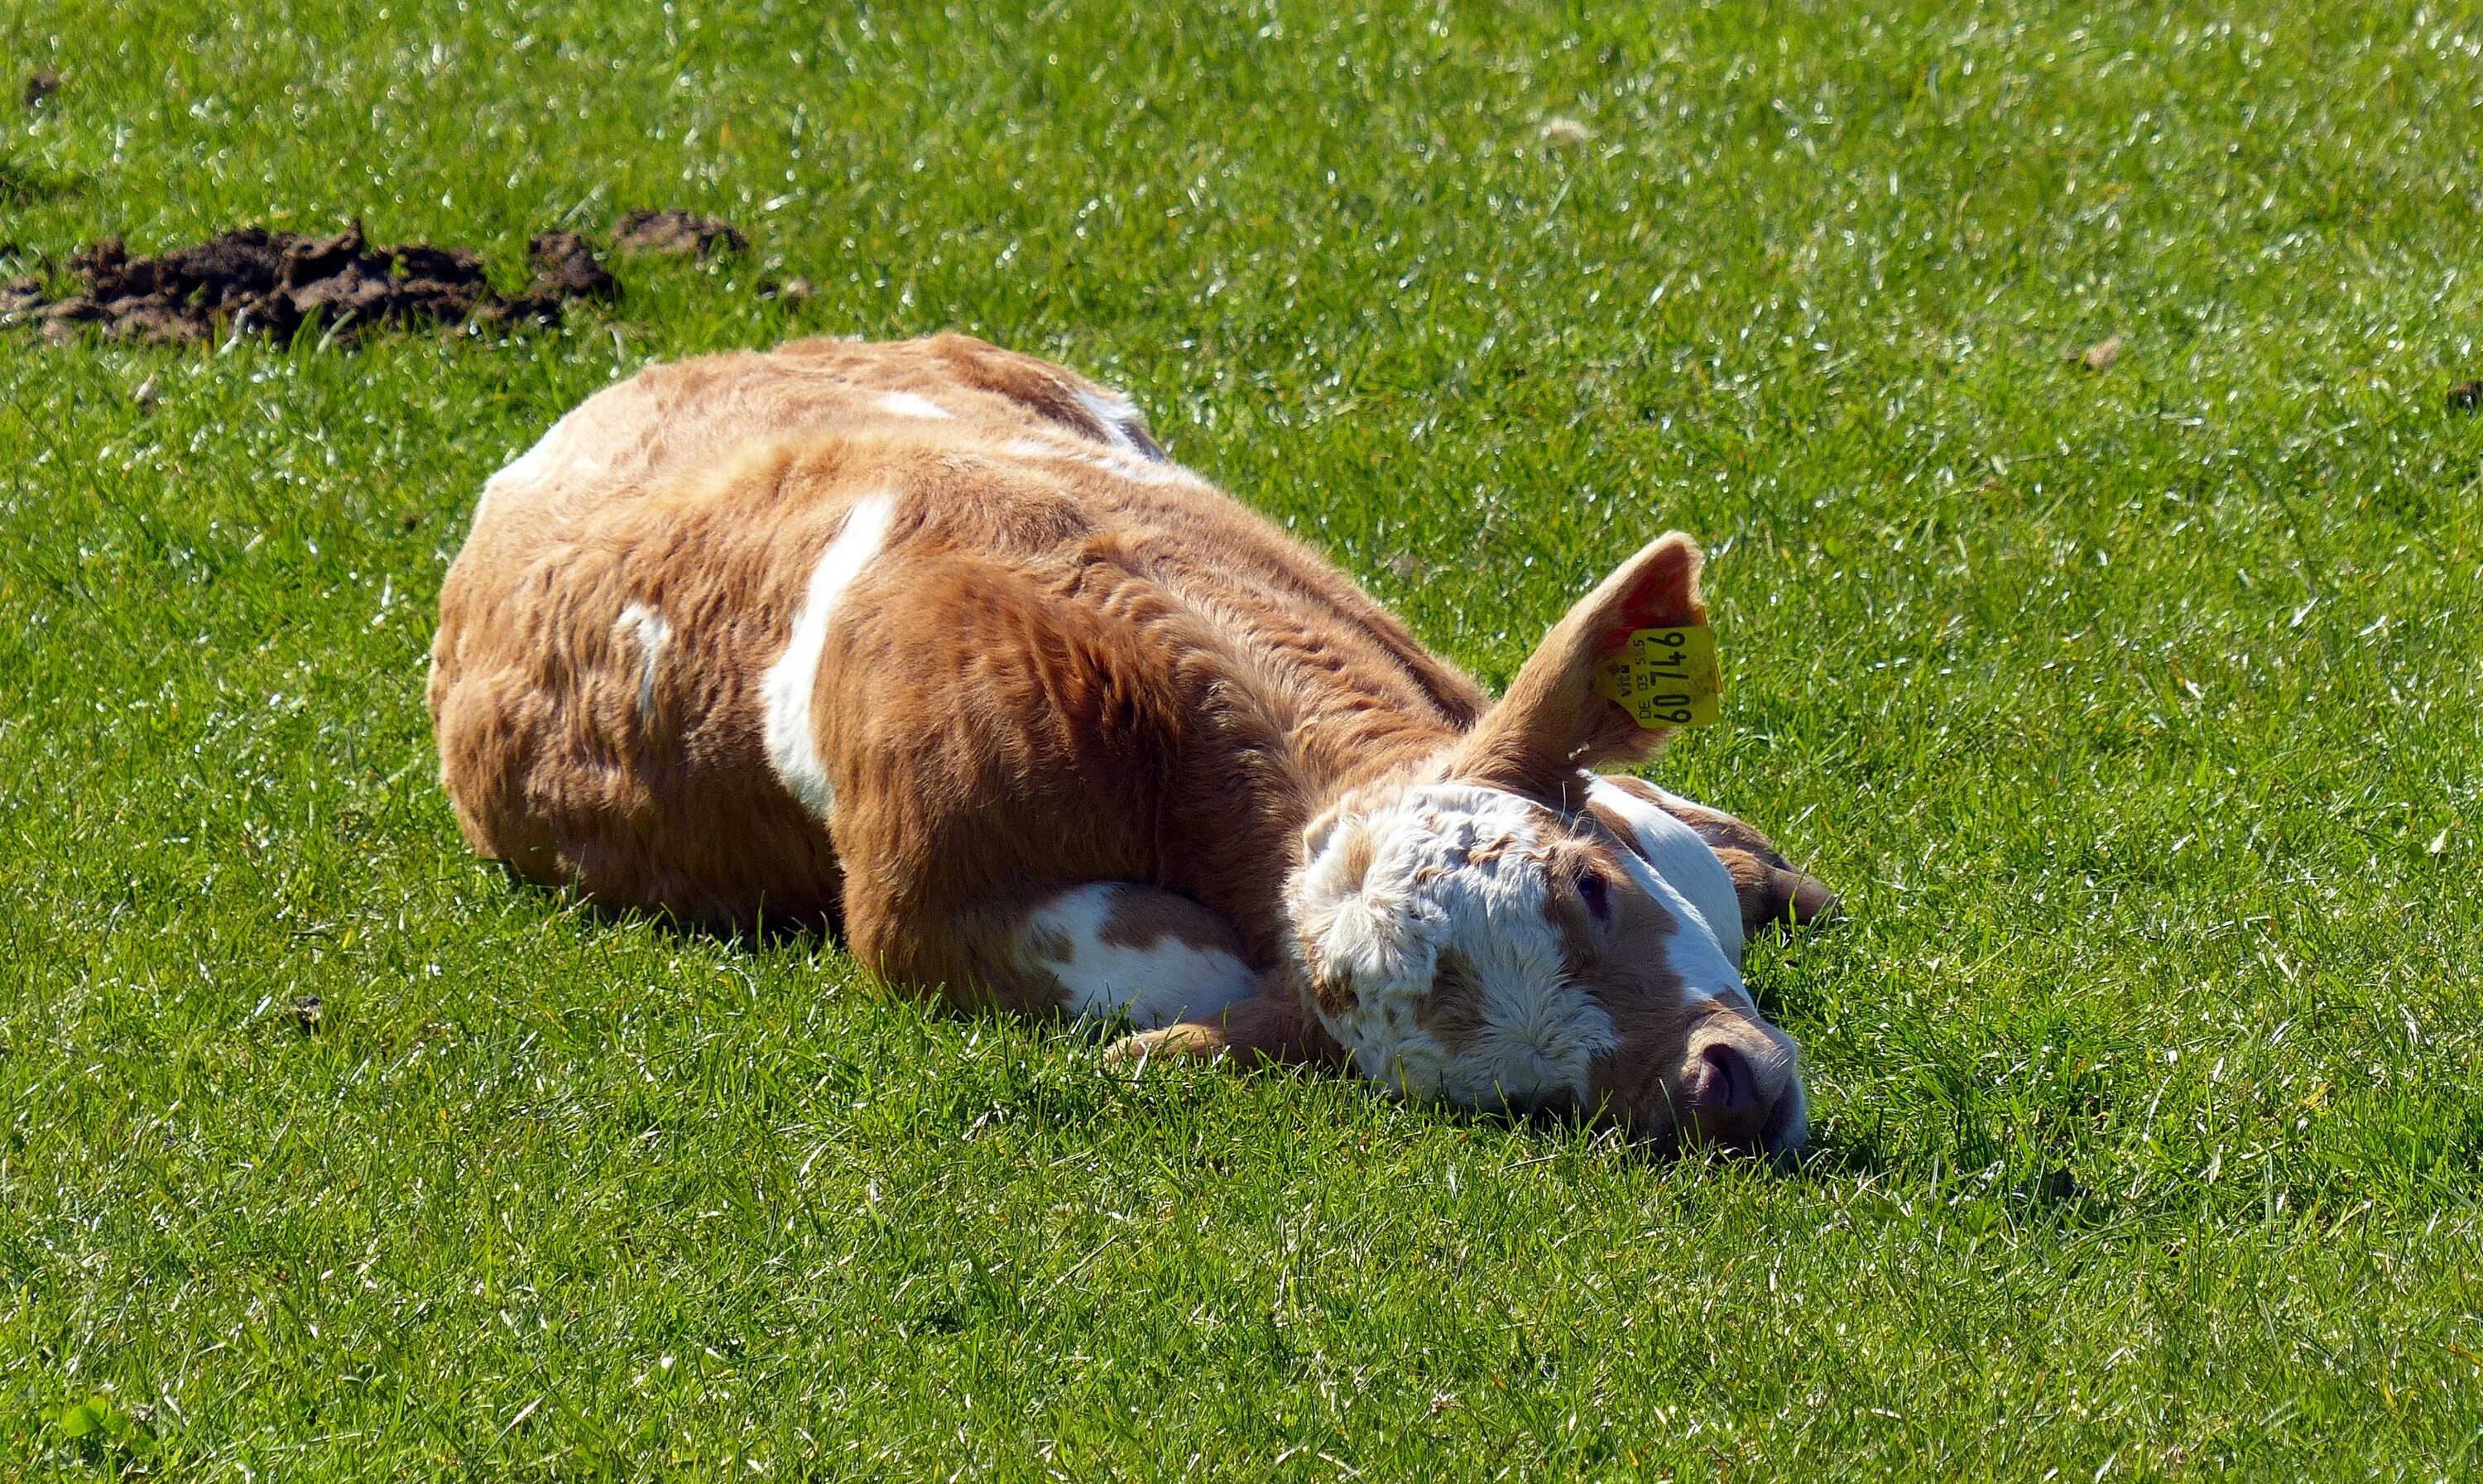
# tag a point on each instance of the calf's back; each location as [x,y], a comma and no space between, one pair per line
[931,616]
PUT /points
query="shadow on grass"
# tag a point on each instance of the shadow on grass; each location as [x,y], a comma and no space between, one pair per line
[1547,1125]
[765,934]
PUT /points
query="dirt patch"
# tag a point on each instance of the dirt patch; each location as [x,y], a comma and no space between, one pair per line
[2466,397]
[2100,356]
[39,87]
[567,268]
[273,283]
[677,233]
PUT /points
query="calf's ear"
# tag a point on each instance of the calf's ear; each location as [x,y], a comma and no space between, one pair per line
[1774,895]
[1552,723]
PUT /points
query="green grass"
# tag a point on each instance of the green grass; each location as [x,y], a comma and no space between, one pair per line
[2134,715]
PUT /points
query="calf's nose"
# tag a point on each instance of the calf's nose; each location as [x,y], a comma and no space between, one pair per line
[1737,1099]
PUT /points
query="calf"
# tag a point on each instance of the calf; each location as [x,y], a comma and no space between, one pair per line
[928,643]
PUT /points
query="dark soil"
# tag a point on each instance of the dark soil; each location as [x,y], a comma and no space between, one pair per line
[2466,397]
[676,232]
[41,85]
[566,267]
[273,283]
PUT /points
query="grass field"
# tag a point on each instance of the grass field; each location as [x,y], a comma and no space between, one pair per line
[2133,712]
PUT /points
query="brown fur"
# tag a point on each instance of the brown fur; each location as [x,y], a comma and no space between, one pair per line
[1081,606]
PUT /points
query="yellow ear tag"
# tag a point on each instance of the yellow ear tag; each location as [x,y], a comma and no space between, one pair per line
[1665,678]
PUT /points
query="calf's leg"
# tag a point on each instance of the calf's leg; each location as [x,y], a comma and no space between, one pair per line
[1099,950]
[1265,1027]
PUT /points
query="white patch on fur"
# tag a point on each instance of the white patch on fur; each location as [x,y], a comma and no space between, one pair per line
[527,466]
[534,466]
[1132,467]
[1451,868]
[906,403]
[787,687]
[530,467]
[523,470]
[1687,866]
[1691,952]
[1117,415]
[1154,986]
[652,631]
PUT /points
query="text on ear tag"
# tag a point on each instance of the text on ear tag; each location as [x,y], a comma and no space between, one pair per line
[1665,678]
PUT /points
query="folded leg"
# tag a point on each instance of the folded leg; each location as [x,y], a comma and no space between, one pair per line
[1263,1028]
[1100,950]
[1117,948]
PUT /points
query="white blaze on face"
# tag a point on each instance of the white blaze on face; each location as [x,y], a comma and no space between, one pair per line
[787,687]
[1675,866]
[1677,854]
[1450,868]
[648,628]
[1157,985]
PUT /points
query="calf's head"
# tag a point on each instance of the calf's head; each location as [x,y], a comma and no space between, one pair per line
[1474,929]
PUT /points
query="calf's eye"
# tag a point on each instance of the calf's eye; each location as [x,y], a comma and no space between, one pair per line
[1597,892]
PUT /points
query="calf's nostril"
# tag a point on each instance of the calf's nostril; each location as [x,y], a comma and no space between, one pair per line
[1726,1083]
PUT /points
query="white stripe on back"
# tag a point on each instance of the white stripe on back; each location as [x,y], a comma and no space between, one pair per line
[652,631]
[907,404]
[787,687]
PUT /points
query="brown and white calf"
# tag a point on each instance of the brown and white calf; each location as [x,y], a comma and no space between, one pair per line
[930,642]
